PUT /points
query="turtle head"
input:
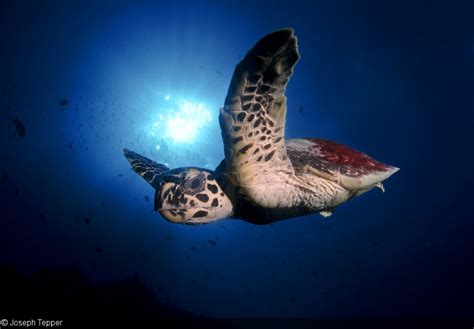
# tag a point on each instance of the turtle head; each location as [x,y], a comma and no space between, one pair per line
[194,196]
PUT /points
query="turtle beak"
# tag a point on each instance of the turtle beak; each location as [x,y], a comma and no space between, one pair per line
[171,216]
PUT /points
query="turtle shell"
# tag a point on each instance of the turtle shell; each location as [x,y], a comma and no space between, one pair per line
[350,168]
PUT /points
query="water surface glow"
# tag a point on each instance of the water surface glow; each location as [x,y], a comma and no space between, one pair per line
[182,121]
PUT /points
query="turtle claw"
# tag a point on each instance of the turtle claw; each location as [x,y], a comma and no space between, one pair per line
[380,186]
[325,214]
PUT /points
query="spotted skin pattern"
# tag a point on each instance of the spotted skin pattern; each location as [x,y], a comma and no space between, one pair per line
[257,160]
[194,196]
[253,122]
[253,118]
[264,178]
[186,195]
[148,169]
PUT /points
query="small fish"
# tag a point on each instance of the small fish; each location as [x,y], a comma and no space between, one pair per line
[98,250]
[202,67]
[86,220]
[3,179]
[147,198]
[19,127]
[212,243]
[193,248]
[64,102]
[301,108]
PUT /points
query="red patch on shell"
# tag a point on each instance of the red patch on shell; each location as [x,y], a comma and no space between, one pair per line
[344,156]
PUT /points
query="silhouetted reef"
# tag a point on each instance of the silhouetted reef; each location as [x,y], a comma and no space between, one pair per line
[66,294]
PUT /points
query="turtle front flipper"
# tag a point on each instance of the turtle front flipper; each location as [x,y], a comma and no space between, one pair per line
[253,118]
[148,169]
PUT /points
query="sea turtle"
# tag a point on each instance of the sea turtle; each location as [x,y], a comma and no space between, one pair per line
[263,178]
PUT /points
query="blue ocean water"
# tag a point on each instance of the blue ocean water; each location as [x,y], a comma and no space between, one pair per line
[392,79]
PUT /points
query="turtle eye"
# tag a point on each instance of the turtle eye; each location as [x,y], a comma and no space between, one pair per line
[194,184]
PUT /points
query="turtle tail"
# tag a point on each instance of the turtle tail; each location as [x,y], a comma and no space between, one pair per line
[148,169]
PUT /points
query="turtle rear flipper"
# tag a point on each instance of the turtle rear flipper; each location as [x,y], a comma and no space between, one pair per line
[346,166]
[150,170]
